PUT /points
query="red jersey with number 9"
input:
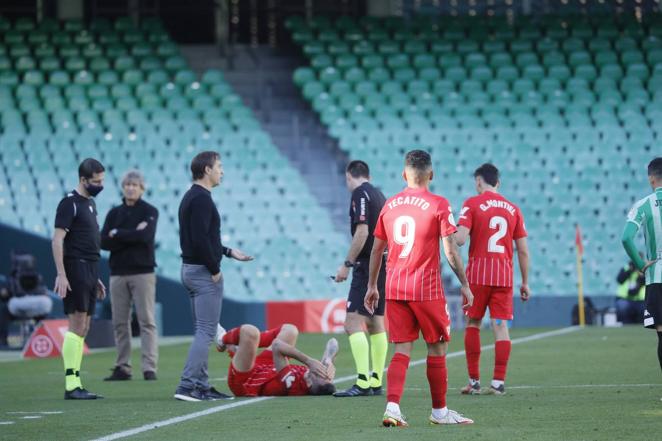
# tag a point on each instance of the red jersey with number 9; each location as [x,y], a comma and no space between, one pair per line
[413,222]
[493,223]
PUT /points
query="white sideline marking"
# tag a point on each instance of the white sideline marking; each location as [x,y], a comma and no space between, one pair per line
[32,417]
[6,423]
[559,386]
[216,409]
[47,412]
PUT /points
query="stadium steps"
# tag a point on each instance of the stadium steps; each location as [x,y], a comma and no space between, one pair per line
[263,79]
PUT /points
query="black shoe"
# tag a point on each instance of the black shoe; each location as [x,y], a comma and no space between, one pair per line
[354,391]
[119,374]
[81,394]
[149,375]
[377,390]
[183,394]
[216,395]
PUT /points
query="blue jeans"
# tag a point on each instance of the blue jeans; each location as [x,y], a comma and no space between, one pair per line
[206,297]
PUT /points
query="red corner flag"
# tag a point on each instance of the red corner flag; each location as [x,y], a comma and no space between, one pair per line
[578,240]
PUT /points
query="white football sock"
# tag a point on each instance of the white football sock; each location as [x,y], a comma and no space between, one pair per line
[440,413]
[393,407]
[497,383]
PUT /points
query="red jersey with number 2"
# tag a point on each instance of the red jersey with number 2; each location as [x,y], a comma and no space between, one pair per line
[413,222]
[493,223]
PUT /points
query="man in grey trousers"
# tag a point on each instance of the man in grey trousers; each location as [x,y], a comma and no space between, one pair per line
[128,233]
[202,250]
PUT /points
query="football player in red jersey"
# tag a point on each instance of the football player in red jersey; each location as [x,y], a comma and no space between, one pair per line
[492,223]
[411,224]
[269,373]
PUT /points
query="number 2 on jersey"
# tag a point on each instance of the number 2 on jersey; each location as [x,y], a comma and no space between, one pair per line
[501,225]
[406,238]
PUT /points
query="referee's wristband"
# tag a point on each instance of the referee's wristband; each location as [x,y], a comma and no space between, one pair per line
[228,252]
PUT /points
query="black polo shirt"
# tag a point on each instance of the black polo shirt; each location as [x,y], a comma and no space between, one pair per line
[367,203]
[77,215]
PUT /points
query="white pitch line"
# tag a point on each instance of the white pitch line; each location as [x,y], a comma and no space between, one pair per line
[221,408]
[46,412]
[560,386]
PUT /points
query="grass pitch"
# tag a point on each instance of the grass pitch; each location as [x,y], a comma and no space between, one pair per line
[592,384]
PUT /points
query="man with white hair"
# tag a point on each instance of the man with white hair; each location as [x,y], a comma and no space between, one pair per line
[128,234]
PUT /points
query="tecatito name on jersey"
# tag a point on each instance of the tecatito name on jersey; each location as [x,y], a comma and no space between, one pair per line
[493,223]
[413,222]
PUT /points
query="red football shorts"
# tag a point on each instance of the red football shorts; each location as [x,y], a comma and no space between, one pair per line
[250,383]
[407,319]
[498,298]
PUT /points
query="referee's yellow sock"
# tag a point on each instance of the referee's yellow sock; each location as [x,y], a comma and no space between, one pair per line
[361,353]
[70,358]
[378,350]
[79,360]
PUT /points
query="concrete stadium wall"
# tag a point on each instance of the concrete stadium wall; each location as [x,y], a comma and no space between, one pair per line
[176,309]
[540,311]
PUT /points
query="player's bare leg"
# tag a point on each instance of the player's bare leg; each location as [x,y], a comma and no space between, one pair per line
[395,383]
[249,339]
[472,352]
[437,374]
[289,334]
[502,347]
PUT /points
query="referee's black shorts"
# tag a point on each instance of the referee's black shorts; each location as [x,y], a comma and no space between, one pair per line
[82,275]
[360,285]
[653,305]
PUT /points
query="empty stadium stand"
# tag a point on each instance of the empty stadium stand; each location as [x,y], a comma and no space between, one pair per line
[568,107]
[124,94]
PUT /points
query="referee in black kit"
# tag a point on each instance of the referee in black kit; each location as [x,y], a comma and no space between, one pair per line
[76,252]
[200,240]
[367,202]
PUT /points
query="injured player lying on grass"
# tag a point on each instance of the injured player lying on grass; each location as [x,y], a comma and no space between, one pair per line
[269,373]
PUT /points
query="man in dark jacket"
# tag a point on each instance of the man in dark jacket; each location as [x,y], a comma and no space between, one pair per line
[128,234]
[202,250]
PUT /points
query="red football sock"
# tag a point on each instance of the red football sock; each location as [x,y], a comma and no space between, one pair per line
[472,350]
[396,376]
[501,356]
[232,336]
[438,380]
[268,336]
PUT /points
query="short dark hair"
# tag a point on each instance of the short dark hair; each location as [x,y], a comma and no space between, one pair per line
[655,168]
[201,161]
[419,160]
[322,389]
[89,167]
[489,173]
[358,169]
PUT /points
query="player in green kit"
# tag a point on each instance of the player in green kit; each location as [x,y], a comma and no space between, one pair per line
[647,214]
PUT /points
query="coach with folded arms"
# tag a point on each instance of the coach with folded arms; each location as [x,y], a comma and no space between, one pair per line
[128,234]
[202,250]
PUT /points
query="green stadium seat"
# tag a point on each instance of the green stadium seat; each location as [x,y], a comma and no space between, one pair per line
[33,77]
[59,78]
[108,77]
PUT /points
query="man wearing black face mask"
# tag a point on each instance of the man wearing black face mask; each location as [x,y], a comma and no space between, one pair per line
[76,252]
